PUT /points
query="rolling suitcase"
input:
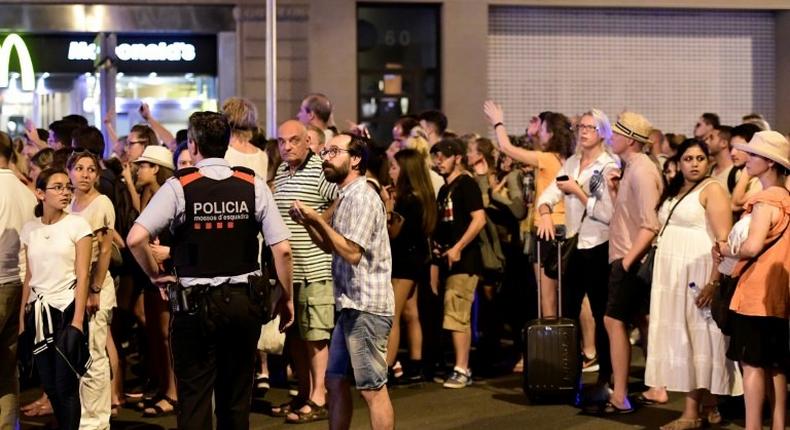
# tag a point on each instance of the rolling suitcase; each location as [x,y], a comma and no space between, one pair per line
[552,360]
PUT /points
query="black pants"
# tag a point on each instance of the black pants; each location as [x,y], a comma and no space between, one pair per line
[588,273]
[59,380]
[214,353]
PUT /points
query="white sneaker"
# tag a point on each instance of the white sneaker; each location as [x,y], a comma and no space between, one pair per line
[459,378]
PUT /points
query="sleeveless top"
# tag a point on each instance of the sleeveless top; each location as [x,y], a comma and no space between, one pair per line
[764,289]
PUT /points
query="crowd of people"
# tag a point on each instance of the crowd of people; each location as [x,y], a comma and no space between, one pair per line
[184,248]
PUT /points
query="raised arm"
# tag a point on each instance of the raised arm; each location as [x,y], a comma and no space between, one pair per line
[495,117]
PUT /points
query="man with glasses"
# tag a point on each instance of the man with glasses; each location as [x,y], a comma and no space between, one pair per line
[301,177]
[361,269]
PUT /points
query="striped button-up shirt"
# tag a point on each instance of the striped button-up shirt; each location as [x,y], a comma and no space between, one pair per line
[308,185]
[360,217]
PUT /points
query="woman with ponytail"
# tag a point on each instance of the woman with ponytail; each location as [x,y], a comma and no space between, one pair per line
[57,248]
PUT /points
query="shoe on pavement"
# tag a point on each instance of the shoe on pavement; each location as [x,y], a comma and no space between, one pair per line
[590,364]
[458,379]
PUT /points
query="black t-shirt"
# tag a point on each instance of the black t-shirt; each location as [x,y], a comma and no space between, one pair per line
[456,202]
[411,244]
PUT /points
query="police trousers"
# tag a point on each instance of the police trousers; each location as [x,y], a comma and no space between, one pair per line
[214,353]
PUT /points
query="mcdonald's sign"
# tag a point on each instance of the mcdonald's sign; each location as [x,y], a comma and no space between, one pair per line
[11,43]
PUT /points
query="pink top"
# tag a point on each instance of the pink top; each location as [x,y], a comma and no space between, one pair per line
[635,205]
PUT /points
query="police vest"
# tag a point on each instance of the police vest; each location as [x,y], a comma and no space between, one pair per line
[219,236]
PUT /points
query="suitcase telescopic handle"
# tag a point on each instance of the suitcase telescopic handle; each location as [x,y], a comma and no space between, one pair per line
[559,280]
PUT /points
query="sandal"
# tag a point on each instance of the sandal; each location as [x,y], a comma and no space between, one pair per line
[642,400]
[283,410]
[711,415]
[316,413]
[609,409]
[115,409]
[683,424]
[156,411]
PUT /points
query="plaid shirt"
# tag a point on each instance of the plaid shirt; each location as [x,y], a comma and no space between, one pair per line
[360,217]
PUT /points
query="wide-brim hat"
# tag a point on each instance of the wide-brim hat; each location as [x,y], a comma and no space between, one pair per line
[633,126]
[768,144]
[158,155]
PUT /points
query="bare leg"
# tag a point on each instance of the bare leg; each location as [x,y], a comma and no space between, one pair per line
[753,395]
[621,361]
[462,343]
[779,384]
[159,318]
[382,416]
[548,298]
[301,366]
[588,328]
[340,407]
[411,317]
[402,288]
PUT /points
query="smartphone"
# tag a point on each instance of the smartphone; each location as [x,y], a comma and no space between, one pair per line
[562,178]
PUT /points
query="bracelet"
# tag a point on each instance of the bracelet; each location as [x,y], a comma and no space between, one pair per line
[95,290]
[498,124]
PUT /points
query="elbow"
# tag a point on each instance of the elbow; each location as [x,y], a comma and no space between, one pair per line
[355,257]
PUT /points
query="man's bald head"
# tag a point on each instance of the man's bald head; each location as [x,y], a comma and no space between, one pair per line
[292,142]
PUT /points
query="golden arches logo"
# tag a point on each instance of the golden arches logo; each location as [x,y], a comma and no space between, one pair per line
[11,43]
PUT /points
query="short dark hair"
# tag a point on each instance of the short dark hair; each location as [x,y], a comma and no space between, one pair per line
[6,149]
[62,131]
[359,146]
[211,133]
[744,131]
[435,117]
[90,139]
[406,123]
[181,136]
[177,153]
[79,120]
[725,132]
[711,119]
[320,105]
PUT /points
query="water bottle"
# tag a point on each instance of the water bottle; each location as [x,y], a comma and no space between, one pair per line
[695,290]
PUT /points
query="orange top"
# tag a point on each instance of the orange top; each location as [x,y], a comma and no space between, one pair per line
[549,165]
[764,289]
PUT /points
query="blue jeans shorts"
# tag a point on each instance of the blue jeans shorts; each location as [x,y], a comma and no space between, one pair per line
[358,348]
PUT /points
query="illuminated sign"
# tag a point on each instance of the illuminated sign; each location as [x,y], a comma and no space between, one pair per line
[11,43]
[162,51]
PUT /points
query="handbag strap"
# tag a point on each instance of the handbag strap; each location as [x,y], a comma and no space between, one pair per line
[666,223]
[762,251]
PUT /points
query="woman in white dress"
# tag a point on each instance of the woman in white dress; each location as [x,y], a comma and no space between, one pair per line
[687,350]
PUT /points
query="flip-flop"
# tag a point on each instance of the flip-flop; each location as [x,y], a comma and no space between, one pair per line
[316,413]
[609,409]
[158,411]
[644,401]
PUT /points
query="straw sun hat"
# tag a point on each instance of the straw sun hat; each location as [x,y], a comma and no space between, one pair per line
[768,144]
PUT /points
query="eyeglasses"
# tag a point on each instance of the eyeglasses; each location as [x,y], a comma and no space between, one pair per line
[331,152]
[60,188]
[580,127]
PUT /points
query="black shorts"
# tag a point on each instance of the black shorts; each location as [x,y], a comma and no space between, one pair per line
[629,297]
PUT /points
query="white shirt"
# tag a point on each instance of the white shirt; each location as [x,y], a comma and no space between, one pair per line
[594,230]
[258,161]
[51,252]
[17,203]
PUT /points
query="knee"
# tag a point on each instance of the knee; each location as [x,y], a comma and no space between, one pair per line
[612,324]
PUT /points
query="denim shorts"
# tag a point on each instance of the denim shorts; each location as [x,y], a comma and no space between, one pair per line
[358,348]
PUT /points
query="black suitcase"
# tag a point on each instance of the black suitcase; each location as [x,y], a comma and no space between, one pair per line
[552,357]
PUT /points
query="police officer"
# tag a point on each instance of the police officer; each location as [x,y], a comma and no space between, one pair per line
[214,213]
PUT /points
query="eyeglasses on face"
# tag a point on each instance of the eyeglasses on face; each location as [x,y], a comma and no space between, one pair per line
[60,188]
[581,127]
[331,152]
